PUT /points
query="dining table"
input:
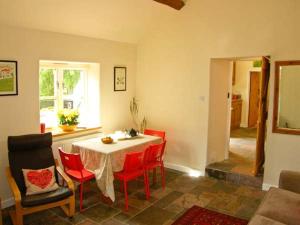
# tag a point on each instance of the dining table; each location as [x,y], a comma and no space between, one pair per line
[105,159]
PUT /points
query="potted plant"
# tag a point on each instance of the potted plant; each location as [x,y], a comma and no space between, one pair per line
[134,110]
[68,119]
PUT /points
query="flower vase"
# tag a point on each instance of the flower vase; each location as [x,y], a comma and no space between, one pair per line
[68,128]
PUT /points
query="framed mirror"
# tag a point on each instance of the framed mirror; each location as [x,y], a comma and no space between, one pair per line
[286,113]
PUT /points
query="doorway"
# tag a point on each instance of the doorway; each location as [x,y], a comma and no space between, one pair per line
[247,98]
[244,115]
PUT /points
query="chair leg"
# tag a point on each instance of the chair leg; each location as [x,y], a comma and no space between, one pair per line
[81,195]
[72,206]
[19,219]
[17,214]
[154,176]
[146,184]
[126,195]
[121,188]
[163,178]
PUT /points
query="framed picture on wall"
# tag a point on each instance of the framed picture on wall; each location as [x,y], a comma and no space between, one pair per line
[119,78]
[8,78]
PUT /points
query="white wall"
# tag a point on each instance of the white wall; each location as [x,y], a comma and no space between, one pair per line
[173,71]
[20,114]
[220,109]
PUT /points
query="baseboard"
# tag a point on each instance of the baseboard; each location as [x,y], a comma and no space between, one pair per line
[244,125]
[7,203]
[266,186]
[185,169]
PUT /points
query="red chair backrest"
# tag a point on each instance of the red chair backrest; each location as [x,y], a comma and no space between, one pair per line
[133,161]
[154,153]
[70,160]
[157,133]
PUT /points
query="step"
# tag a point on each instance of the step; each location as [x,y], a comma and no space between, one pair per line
[236,178]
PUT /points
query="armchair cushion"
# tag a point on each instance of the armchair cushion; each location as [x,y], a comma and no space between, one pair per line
[262,220]
[290,180]
[40,199]
[281,205]
[29,152]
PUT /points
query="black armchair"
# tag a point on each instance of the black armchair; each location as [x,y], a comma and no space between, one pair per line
[34,152]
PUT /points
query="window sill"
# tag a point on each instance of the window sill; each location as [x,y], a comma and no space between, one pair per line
[57,132]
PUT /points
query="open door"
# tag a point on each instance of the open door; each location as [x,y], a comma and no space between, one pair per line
[262,116]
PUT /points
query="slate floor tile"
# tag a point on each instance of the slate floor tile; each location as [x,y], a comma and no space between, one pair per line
[168,199]
[100,212]
[180,183]
[152,216]
[112,222]
[87,222]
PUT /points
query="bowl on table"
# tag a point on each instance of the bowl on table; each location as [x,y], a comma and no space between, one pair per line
[107,140]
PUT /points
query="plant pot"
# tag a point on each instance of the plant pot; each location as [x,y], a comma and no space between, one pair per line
[68,128]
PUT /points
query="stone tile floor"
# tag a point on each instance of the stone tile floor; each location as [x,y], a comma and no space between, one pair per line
[164,206]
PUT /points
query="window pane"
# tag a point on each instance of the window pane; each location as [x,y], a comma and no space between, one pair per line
[73,97]
[71,80]
[48,117]
[47,82]
[74,91]
[47,104]
[48,96]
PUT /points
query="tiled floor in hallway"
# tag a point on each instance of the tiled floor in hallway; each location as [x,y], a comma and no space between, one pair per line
[242,150]
[241,153]
[164,206]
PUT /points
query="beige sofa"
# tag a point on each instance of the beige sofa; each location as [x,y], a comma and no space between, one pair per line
[281,205]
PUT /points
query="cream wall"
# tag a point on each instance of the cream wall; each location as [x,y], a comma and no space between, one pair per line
[220,106]
[242,86]
[20,114]
[173,71]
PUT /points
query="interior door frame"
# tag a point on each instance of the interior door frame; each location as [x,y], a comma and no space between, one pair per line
[262,116]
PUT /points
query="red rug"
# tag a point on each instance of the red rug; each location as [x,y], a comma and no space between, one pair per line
[200,216]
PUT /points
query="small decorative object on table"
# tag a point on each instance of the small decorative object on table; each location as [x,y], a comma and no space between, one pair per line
[68,119]
[107,140]
[43,127]
[133,132]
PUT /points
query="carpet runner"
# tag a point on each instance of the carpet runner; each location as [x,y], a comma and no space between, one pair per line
[200,216]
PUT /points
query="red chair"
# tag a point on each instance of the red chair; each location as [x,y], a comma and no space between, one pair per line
[153,159]
[157,133]
[132,169]
[74,168]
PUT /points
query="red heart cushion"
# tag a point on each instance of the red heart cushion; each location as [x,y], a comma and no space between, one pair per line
[40,178]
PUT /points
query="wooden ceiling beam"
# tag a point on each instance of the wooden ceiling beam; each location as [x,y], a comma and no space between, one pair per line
[176,4]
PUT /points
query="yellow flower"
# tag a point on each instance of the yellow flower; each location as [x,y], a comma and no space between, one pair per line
[67,116]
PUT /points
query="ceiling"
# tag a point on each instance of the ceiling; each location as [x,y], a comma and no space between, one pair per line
[119,20]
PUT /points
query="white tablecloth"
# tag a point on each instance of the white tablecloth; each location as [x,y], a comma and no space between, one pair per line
[104,159]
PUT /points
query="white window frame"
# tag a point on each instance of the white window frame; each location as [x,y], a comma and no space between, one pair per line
[58,84]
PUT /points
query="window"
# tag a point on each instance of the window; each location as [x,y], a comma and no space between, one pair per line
[63,86]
